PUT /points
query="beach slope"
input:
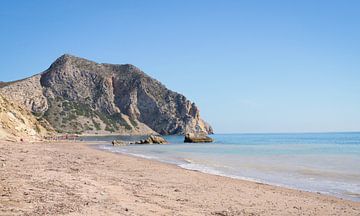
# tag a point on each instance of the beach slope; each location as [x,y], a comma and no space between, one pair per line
[76,179]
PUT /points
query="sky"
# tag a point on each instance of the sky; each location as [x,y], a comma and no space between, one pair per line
[251,66]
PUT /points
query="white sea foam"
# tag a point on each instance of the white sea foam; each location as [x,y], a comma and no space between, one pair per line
[346,192]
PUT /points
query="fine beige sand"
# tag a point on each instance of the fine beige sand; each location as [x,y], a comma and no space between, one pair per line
[76,179]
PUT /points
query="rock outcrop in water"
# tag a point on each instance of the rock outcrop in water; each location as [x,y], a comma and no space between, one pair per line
[76,95]
[197,138]
[152,139]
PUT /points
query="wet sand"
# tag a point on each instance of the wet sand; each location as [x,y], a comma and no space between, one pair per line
[76,179]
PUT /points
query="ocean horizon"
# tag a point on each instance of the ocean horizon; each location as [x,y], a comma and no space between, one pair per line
[326,162]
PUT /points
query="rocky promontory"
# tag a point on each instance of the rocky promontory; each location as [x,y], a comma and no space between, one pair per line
[75,95]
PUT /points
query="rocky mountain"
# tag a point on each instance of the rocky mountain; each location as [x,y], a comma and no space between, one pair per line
[76,95]
[17,123]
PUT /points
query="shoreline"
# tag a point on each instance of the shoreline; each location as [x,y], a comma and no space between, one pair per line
[115,134]
[240,178]
[67,178]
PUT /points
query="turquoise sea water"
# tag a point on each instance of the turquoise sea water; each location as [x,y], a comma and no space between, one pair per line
[320,162]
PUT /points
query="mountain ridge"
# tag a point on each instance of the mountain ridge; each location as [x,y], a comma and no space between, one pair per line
[76,95]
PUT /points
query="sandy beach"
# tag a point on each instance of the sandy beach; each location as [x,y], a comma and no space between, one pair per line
[76,179]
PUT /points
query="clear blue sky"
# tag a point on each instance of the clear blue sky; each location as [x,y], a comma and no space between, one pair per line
[251,66]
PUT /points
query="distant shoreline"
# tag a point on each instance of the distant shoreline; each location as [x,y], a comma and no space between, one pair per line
[113,134]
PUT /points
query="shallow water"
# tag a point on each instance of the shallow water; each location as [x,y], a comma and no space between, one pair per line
[320,162]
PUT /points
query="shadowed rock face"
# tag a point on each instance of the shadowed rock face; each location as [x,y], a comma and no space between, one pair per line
[78,95]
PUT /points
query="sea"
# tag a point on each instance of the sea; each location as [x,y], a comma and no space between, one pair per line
[327,163]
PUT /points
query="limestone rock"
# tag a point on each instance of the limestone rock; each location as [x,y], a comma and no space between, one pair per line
[152,139]
[197,138]
[17,124]
[75,95]
[119,143]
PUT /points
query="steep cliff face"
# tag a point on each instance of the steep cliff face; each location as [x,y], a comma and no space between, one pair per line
[81,96]
[28,93]
[17,123]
